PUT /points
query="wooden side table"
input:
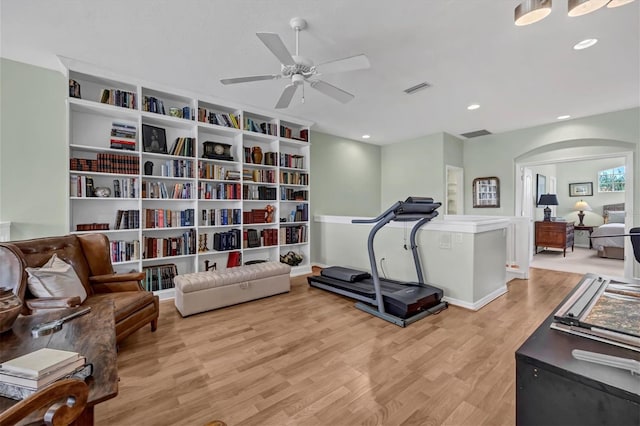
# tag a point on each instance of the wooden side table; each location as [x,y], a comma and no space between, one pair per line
[554,234]
[589,229]
[92,335]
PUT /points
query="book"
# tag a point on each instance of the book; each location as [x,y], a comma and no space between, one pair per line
[38,363]
[36,383]
[9,390]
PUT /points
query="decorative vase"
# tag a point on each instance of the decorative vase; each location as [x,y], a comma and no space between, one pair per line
[256,155]
[10,307]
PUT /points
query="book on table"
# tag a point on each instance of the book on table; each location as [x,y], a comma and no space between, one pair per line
[26,374]
[38,363]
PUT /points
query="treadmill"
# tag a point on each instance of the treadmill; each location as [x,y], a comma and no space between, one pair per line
[398,302]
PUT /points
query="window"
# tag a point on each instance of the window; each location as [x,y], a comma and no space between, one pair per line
[611,180]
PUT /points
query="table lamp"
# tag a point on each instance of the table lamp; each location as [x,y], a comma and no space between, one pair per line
[548,200]
[582,206]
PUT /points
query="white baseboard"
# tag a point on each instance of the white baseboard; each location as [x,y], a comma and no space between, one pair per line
[480,303]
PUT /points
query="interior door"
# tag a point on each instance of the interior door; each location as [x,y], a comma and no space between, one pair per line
[528,203]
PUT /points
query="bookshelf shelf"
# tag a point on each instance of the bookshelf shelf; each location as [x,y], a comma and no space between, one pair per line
[97,118]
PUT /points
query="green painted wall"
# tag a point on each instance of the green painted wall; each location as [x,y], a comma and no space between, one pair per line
[33,150]
[413,167]
[345,181]
[345,176]
[496,155]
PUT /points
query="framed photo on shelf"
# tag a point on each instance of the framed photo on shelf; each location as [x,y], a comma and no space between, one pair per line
[486,192]
[154,139]
[582,189]
[541,187]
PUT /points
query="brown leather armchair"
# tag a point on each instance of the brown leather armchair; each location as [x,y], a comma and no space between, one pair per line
[90,257]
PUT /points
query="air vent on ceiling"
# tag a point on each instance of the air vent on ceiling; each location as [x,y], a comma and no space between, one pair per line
[475,133]
[414,89]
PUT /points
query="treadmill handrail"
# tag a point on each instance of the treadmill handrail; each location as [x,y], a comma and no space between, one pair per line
[380,217]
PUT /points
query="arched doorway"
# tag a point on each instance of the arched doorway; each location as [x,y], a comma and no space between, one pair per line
[573,151]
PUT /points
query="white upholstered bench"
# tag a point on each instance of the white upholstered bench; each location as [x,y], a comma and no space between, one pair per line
[204,291]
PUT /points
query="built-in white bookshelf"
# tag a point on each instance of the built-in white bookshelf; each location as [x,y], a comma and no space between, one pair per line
[177,178]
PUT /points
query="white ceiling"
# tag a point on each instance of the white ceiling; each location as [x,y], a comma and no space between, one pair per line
[468,50]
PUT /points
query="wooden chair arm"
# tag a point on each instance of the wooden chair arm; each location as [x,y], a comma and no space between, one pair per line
[66,400]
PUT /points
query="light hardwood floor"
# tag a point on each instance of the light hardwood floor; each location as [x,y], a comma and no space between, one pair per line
[310,358]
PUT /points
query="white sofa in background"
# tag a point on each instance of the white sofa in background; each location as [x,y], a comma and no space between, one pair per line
[204,291]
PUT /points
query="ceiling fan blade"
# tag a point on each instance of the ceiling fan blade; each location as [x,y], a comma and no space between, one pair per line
[331,91]
[251,78]
[276,46]
[351,63]
[287,95]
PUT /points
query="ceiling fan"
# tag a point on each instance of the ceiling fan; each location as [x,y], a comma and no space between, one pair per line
[300,68]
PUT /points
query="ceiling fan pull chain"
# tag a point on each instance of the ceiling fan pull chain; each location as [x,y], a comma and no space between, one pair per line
[303,93]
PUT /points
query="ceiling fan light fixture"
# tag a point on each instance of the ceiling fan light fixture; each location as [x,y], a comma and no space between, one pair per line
[530,11]
[366,136]
[582,7]
[618,3]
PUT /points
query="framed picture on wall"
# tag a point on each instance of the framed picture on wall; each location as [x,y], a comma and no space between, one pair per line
[582,189]
[541,187]
[486,192]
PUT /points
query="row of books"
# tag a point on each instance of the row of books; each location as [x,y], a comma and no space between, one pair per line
[177,168]
[290,194]
[254,216]
[299,214]
[125,188]
[219,191]
[215,171]
[107,163]
[293,234]
[117,97]
[183,146]
[124,251]
[153,104]
[258,192]
[287,132]
[254,238]
[294,178]
[213,217]
[170,246]
[127,219]
[123,130]
[260,127]
[229,240]
[23,376]
[159,277]
[218,118]
[123,136]
[294,161]
[159,190]
[259,175]
[92,227]
[165,218]
[81,186]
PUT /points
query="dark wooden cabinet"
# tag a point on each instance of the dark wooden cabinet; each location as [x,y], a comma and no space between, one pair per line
[554,388]
[554,235]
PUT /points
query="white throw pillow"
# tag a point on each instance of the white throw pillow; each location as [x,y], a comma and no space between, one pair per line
[616,217]
[56,278]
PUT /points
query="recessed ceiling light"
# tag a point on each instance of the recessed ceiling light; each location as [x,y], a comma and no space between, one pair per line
[563,117]
[473,106]
[585,43]
[366,136]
